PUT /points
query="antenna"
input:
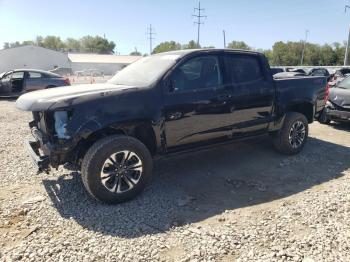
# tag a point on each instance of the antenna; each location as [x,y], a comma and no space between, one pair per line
[150,36]
[199,17]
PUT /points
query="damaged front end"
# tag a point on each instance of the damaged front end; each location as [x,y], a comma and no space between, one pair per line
[52,142]
[336,112]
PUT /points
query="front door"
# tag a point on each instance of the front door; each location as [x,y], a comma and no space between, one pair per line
[195,106]
[6,84]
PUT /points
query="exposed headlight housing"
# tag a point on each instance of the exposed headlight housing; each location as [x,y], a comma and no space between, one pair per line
[61,120]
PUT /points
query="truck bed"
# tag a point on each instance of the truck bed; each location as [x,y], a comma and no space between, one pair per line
[294,90]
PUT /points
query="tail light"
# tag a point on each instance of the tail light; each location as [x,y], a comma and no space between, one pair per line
[327,93]
[67,82]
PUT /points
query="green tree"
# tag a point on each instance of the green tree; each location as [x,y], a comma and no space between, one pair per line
[239,45]
[6,45]
[97,44]
[28,42]
[72,45]
[191,45]
[53,42]
[339,51]
[136,53]
[166,46]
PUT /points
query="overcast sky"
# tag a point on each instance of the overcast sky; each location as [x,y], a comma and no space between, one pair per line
[259,23]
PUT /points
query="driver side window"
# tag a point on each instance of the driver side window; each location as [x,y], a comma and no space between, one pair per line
[197,73]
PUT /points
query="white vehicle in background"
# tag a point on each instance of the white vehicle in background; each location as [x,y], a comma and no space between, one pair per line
[89,72]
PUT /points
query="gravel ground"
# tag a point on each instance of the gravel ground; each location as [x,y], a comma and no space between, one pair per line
[241,202]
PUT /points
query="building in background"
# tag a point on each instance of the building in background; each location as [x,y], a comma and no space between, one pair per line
[108,64]
[34,57]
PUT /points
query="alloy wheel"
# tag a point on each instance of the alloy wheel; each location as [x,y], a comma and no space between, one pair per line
[121,171]
[297,134]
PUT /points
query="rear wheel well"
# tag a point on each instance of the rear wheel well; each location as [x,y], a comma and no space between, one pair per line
[142,132]
[306,109]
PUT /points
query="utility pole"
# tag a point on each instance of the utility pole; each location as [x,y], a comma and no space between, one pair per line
[304,47]
[224,38]
[150,33]
[347,43]
[199,22]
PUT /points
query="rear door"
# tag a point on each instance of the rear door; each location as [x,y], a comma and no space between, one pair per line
[195,107]
[253,92]
[35,81]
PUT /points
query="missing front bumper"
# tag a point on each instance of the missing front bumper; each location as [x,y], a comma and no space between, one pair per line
[41,162]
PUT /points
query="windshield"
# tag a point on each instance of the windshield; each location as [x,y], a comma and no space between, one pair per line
[144,71]
[345,84]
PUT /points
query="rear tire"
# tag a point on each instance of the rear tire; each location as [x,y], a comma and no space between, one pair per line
[116,169]
[291,138]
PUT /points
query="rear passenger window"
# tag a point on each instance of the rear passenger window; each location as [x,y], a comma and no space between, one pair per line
[34,75]
[243,68]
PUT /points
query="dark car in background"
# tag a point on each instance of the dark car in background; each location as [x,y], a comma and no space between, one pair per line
[319,72]
[339,75]
[338,104]
[19,81]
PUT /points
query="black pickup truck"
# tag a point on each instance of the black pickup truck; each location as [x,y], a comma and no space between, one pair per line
[163,104]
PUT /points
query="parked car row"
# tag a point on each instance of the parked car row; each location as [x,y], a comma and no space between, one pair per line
[63,71]
[89,72]
[280,72]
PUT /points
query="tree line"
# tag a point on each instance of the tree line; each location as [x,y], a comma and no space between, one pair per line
[86,44]
[282,53]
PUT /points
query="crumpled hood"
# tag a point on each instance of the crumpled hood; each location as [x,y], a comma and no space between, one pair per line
[65,96]
[340,97]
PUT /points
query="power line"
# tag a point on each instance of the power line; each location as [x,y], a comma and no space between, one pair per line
[150,36]
[224,33]
[304,47]
[199,22]
[347,44]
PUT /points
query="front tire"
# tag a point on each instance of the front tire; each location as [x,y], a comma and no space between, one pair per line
[292,137]
[116,169]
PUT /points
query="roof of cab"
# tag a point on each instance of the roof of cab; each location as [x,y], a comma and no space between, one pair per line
[206,50]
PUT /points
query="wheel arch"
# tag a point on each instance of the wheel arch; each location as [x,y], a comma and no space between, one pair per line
[305,108]
[143,131]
